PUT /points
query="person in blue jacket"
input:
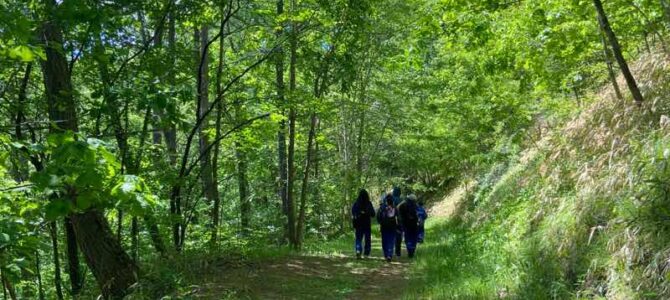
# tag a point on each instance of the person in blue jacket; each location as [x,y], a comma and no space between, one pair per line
[387,217]
[422,215]
[399,230]
[362,213]
[409,220]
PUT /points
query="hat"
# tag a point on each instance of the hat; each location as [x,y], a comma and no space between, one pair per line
[411,197]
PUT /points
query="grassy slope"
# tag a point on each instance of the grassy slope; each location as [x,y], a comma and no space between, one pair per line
[584,213]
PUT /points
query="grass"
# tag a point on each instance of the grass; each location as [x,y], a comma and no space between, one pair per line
[583,214]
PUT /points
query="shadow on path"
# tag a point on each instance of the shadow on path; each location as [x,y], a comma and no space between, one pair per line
[308,277]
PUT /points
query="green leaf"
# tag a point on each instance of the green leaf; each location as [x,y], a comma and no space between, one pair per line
[21,52]
[57,208]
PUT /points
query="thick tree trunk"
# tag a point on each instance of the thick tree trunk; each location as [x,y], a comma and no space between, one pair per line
[111,266]
[616,48]
[610,67]
[53,232]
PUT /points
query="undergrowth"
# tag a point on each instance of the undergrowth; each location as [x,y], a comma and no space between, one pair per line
[582,213]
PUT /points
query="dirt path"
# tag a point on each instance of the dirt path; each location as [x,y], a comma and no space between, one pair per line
[307,277]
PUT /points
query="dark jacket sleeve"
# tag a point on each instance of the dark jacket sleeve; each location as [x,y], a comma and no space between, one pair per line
[371,210]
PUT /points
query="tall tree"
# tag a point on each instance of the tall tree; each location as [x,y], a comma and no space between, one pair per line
[111,266]
[209,185]
[281,133]
[616,48]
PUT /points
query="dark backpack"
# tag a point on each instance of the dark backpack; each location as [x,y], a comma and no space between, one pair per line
[409,217]
[388,218]
[360,217]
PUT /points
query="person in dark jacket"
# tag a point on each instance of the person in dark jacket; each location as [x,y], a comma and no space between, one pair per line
[423,215]
[362,213]
[399,230]
[387,217]
[410,223]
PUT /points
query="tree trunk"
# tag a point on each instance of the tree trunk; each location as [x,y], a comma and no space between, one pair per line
[291,178]
[170,133]
[305,179]
[243,186]
[281,134]
[111,266]
[216,206]
[53,232]
[154,233]
[72,258]
[610,67]
[209,185]
[38,275]
[8,287]
[646,41]
[616,48]
[134,240]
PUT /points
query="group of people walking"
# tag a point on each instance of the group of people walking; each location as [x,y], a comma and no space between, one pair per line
[399,218]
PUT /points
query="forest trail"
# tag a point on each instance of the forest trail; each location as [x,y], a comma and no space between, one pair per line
[307,276]
[321,276]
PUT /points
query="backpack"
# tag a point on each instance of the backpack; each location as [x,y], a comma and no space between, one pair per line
[359,218]
[388,218]
[410,217]
[421,214]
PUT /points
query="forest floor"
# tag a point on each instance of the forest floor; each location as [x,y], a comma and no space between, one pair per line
[308,276]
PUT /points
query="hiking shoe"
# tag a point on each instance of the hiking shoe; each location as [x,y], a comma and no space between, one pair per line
[388,259]
[410,255]
[358,256]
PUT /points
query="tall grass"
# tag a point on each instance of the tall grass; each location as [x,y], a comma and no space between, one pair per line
[584,213]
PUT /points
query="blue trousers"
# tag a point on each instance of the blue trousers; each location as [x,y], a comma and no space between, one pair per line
[388,242]
[360,234]
[398,241]
[411,235]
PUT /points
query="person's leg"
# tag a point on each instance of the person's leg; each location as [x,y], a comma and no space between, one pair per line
[368,241]
[385,242]
[358,242]
[398,242]
[410,241]
[389,243]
